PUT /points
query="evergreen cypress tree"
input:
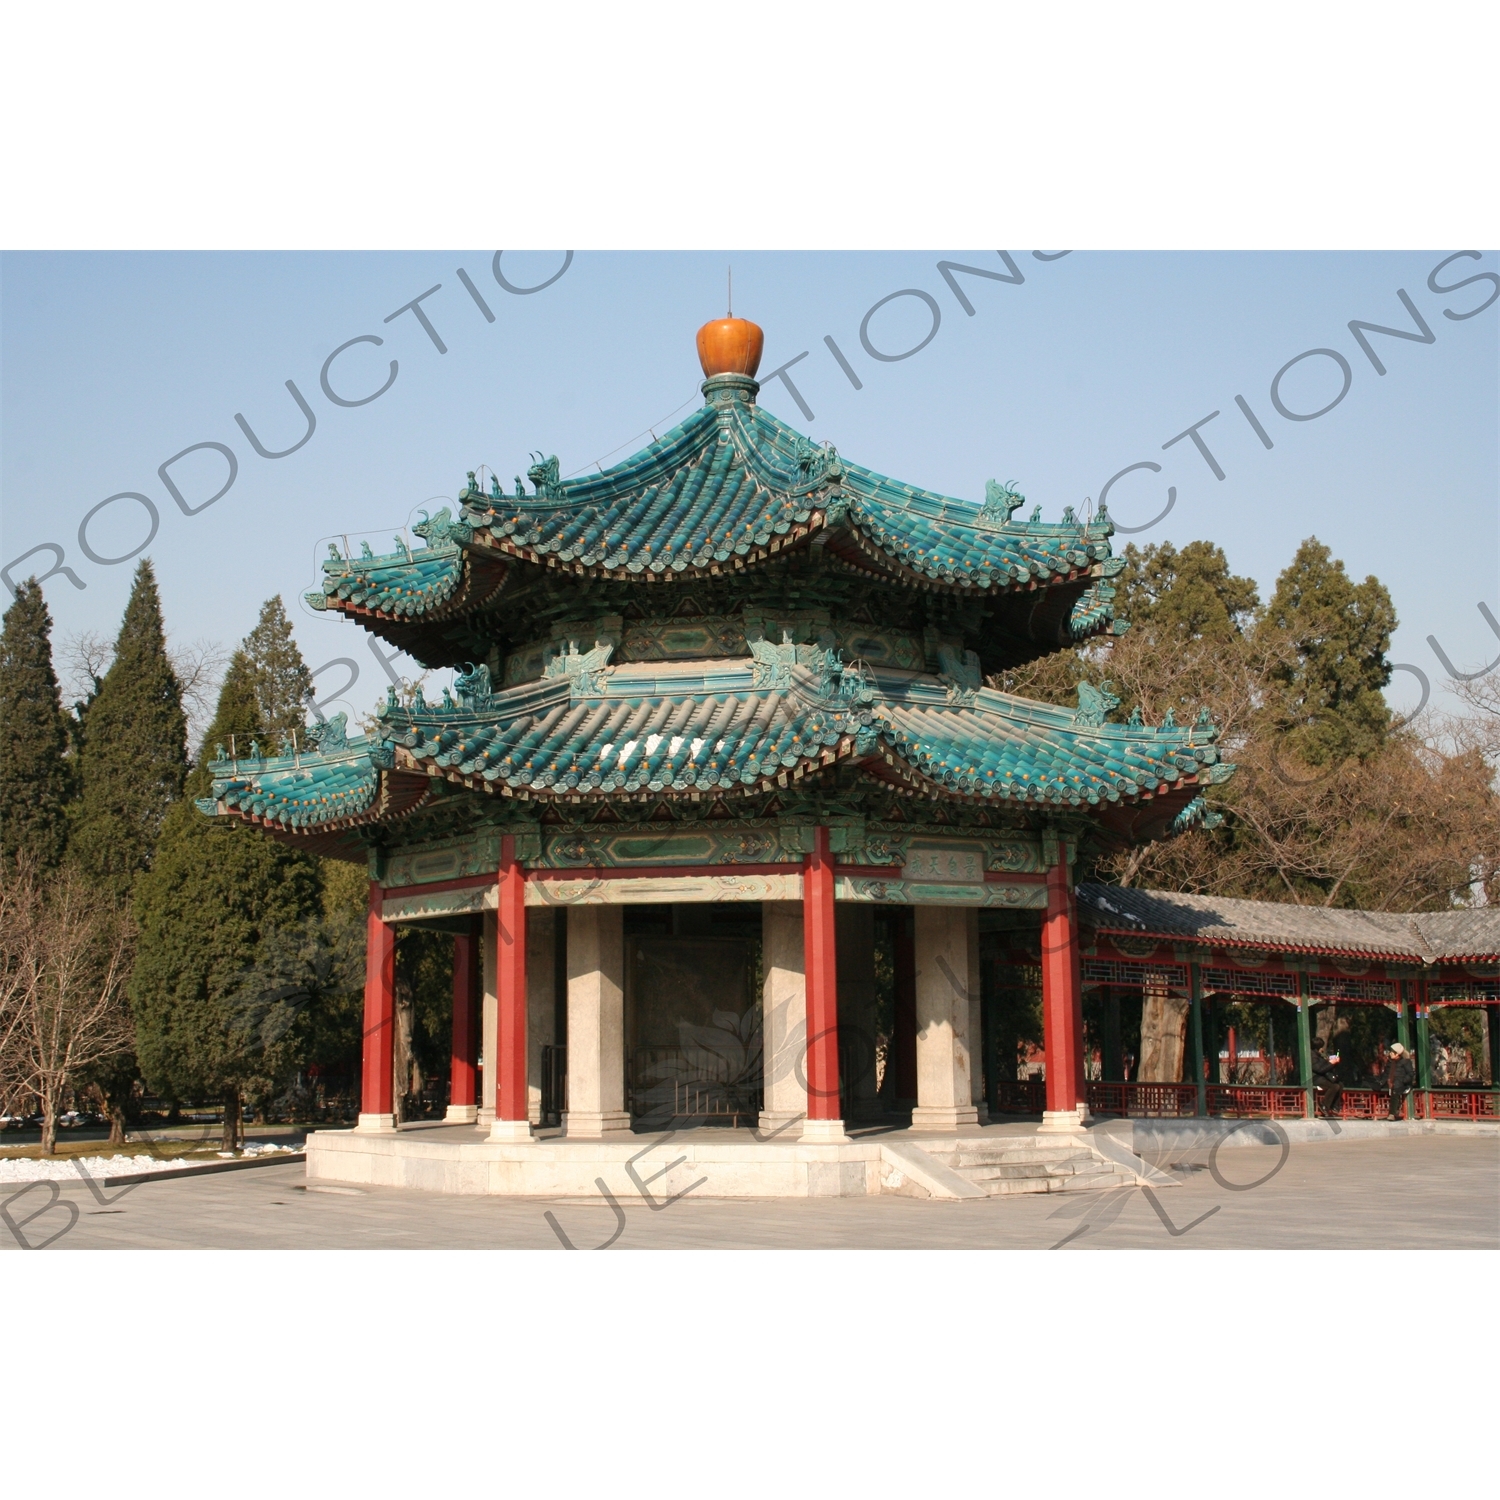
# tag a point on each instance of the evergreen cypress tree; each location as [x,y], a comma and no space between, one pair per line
[281,679]
[133,759]
[1333,635]
[218,907]
[1189,590]
[35,775]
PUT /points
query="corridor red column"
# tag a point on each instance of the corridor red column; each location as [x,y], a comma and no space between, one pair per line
[376,1090]
[820,957]
[510,986]
[462,1102]
[1062,993]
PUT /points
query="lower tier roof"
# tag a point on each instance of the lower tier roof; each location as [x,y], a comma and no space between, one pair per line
[718,729]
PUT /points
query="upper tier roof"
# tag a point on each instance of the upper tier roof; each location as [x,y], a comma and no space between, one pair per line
[720,494]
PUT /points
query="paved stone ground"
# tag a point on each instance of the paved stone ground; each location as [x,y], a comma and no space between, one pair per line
[1418,1193]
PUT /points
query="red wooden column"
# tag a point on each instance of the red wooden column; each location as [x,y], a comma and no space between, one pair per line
[1062,999]
[820,958]
[376,1111]
[462,1103]
[510,985]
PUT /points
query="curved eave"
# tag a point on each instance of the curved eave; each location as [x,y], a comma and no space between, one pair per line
[1167,799]
[397,795]
[480,581]
[873,561]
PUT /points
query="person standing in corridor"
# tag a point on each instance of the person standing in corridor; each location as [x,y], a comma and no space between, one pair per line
[1400,1075]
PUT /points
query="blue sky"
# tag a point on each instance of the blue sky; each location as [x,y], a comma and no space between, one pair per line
[112,363]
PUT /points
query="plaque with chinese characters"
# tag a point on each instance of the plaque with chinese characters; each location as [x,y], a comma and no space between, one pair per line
[962,864]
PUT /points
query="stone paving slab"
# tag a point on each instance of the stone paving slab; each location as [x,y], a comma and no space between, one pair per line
[1422,1192]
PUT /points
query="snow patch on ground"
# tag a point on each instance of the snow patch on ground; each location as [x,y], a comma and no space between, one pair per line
[66,1169]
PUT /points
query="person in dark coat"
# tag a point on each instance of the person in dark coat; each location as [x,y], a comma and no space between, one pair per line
[1325,1080]
[1400,1075]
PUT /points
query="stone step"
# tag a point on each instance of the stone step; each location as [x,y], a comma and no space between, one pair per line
[1074,1183]
[1001,1165]
[967,1157]
[997,1171]
[1071,1172]
[1011,1171]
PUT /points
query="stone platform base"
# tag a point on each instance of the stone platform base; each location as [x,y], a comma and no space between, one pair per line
[1150,1136]
[979,1162]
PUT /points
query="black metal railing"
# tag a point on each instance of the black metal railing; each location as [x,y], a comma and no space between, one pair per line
[554,1084]
[673,1085]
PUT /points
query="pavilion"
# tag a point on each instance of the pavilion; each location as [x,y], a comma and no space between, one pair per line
[722,709]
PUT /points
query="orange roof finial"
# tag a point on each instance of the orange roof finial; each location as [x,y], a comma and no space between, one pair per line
[730,346]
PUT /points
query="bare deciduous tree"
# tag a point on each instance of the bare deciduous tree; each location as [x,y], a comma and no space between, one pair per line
[19,900]
[85,656]
[65,954]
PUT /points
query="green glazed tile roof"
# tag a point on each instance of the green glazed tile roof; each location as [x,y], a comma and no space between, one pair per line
[312,791]
[711,728]
[726,488]
[420,583]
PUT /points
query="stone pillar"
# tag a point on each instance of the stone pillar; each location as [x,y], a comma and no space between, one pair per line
[783,1017]
[596,1022]
[541,989]
[489,1018]
[462,1106]
[1062,1002]
[854,923]
[511,1123]
[944,1090]
[976,1017]
[376,1108]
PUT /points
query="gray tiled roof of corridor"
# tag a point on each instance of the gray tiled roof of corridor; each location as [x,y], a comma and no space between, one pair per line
[1424,937]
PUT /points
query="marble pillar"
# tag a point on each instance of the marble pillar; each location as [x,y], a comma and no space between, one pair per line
[944,1091]
[783,1016]
[596,1022]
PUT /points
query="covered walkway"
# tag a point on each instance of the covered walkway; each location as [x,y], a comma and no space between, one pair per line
[1233,993]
